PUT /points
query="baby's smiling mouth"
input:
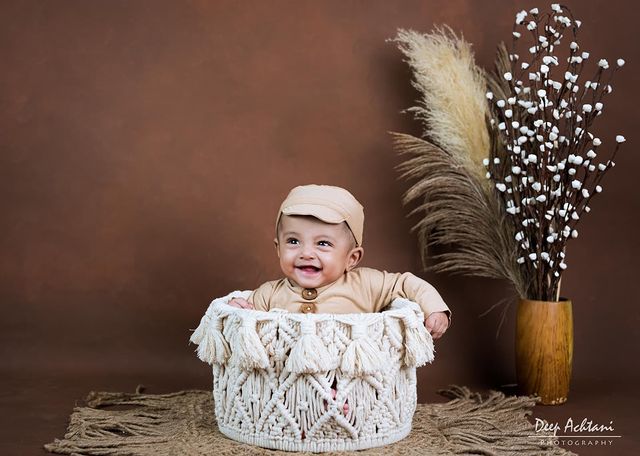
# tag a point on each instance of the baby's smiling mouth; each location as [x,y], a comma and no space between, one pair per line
[308,268]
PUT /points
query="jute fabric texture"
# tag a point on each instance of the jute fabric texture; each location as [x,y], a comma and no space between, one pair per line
[314,382]
[183,424]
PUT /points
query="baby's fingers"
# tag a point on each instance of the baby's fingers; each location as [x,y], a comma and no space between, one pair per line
[241,303]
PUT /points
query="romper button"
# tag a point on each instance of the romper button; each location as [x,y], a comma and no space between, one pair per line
[308,307]
[309,293]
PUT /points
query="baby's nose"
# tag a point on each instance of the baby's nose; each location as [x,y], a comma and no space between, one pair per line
[308,252]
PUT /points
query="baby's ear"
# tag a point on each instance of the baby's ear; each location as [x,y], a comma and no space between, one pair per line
[275,242]
[354,258]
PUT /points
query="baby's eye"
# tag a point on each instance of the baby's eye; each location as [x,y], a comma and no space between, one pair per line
[293,241]
[324,243]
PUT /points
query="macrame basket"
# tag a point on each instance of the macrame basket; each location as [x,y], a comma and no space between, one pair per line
[281,379]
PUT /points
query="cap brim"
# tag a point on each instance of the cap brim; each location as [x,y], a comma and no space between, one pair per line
[323,213]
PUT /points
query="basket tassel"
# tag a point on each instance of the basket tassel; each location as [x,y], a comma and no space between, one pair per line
[418,344]
[248,351]
[213,347]
[361,357]
[309,354]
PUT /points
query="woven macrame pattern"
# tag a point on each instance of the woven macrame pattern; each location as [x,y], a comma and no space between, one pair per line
[314,382]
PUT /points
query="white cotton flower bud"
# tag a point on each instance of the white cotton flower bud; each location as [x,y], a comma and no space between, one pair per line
[587,209]
[573,45]
[533,11]
[538,123]
[598,189]
[515,124]
[533,49]
[599,106]
[603,64]
[609,88]
[533,158]
[544,69]
[524,129]
[488,175]
[552,168]
[574,234]
[576,184]
[557,85]
[519,236]
[556,114]
[578,160]
[556,177]
[575,89]
[531,25]
[563,265]
[585,193]
[596,142]
[485,162]
[586,108]
[508,76]
[591,154]
[496,160]
[541,198]
[537,186]
[620,139]
[520,16]
[502,126]
[533,256]
[522,139]
[601,166]
[585,55]
[520,260]
[508,113]
[620,62]
[591,168]
[542,93]
[532,110]
[575,216]
[500,103]
[562,212]
[511,100]
[516,35]
[524,65]
[540,138]
[550,239]
[515,169]
[556,7]
[500,186]
[568,76]
[489,95]
[594,85]
[571,171]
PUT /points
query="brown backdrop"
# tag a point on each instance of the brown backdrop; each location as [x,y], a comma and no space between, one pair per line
[146,146]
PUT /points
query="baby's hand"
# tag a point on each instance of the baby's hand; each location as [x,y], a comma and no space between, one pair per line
[240,303]
[437,324]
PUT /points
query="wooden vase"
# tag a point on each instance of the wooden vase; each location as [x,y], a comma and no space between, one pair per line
[544,349]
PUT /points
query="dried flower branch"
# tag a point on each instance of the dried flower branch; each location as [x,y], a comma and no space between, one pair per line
[546,173]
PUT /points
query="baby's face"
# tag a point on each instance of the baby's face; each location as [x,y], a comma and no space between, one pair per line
[313,253]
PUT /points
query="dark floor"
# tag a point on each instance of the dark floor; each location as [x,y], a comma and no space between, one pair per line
[35,405]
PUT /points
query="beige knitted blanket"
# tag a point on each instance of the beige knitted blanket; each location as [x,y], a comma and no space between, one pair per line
[183,423]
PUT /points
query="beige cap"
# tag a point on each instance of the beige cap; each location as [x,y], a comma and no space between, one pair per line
[327,203]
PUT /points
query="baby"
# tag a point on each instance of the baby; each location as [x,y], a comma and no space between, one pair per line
[319,243]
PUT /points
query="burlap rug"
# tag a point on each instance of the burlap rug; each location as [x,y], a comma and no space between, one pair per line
[182,423]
